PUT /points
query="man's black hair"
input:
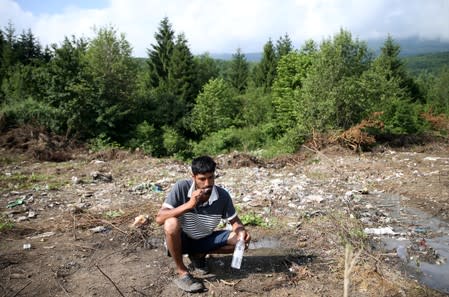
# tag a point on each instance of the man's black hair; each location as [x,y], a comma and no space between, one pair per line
[203,164]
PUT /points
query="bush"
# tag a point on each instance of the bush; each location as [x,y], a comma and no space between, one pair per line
[148,139]
[402,117]
[102,142]
[287,144]
[226,140]
[175,144]
[30,111]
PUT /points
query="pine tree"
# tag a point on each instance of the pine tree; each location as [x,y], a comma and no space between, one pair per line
[8,54]
[182,73]
[161,54]
[238,72]
[2,70]
[266,69]
[207,69]
[284,46]
[394,68]
[27,48]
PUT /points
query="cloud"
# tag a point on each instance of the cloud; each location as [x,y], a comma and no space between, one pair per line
[225,25]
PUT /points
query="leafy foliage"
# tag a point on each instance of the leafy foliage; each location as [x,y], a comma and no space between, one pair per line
[182,74]
[330,94]
[114,74]
[147,139]
[238,72]
[284,46]
[161,54]
[265,71]
[30,111]
[176,104]
[229,139]
[215,109]
[292,71]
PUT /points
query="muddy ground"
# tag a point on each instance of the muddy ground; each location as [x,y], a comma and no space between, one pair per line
[67,229]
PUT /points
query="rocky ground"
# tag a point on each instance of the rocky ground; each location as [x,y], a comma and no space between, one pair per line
[67,226]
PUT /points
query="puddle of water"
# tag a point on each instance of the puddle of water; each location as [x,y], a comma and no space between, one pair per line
[265,243]
[266,247]
[414,225]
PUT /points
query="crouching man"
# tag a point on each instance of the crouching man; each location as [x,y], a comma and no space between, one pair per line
[191,212]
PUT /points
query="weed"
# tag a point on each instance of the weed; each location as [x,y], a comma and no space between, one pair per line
[253,219]
[5,223]
[111,214]
[17,181]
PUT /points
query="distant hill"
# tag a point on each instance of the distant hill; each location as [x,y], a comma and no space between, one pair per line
[413,46]
[250,57]
[409,47]
[427,62]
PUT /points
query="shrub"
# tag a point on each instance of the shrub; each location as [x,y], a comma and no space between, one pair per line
[402,117]
[31,111]
[147,138]
[174,143]
[226,140]
[102,142]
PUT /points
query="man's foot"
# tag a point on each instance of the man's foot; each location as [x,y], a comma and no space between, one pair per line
[188,283]
[199,264]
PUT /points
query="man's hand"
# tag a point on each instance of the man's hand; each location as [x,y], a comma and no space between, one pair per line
[246,237]
[199,196]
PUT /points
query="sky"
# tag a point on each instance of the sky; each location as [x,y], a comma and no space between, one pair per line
[222,26]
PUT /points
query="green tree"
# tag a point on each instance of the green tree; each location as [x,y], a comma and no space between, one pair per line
[2,70]
[207,69]
[27,49]
[160,56]
[183,74]
[265,71]
[438,94]
[330,96]
[309,47]
[114,73]
[292,71]
[238,72]
[389,60]
[284,46]
[9,56]
[215,108]
[257,108]
[71,88]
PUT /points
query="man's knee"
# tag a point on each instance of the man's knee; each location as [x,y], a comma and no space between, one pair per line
[172,226]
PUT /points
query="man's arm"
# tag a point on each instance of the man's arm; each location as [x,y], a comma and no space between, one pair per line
[165,212]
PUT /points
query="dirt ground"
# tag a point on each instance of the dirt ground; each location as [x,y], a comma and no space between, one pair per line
[67,230]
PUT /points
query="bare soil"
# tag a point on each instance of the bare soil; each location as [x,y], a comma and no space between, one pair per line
[304,249]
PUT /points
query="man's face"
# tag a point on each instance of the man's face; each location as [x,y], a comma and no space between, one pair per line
[204,180]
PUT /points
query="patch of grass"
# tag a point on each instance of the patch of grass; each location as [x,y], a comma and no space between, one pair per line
[18,181]
[5,223]
[253,219]
[111,214]
[5,160]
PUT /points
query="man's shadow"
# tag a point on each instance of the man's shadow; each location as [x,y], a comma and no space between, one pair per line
[256,263]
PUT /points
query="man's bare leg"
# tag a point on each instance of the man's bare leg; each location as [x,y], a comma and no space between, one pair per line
[172,229]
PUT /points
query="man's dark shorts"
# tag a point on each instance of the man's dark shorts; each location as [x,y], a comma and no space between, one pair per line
[206,244]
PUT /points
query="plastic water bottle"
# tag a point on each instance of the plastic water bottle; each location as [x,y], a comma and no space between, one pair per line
[237,257]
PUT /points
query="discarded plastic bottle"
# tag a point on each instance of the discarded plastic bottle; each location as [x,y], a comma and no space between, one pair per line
[237,257]
[402,252]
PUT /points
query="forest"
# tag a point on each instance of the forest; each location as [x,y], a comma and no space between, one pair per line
[173,103]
